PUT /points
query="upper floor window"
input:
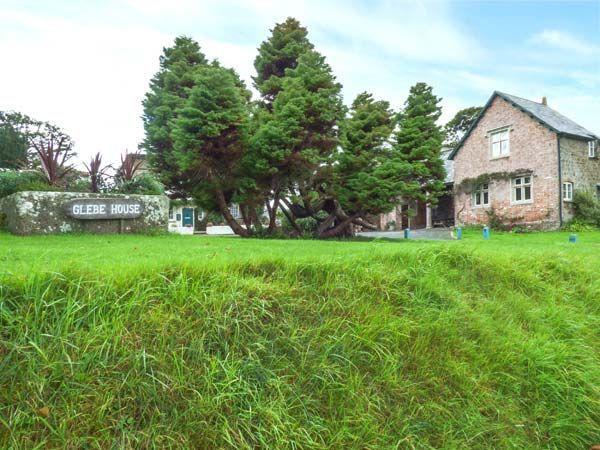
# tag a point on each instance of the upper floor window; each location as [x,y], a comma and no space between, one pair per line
[522,189]
[567,191]
[500,141]
[592,149]
[481,195]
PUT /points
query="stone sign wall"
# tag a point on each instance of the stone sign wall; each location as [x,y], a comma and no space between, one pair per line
[34,212]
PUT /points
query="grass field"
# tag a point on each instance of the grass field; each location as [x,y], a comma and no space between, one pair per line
[189,342]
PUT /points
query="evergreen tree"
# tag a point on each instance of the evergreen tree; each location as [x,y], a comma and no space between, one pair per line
[418,142]
[299,136]
[456,128]
[365,179]
[169,89]
[14,147]
[280,52]
[208,137]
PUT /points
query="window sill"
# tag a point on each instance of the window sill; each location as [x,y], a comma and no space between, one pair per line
[527,202]
[480,206]
[499,157]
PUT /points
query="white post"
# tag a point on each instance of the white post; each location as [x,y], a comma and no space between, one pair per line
[428,216]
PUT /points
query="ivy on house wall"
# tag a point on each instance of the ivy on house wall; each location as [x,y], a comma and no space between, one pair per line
[467,184]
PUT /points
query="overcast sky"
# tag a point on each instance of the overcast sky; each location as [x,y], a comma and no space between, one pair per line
[85,65]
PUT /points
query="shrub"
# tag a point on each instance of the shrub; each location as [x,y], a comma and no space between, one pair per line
[144,184]
[586,207]
[12,181]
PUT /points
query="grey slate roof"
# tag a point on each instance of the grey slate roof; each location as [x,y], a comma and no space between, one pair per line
[548,117]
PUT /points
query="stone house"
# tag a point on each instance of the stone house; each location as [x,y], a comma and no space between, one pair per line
[520,163]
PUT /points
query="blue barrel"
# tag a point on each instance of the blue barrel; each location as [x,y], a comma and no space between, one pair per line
[459,233]
[406,233]
[486,232]
[573,238]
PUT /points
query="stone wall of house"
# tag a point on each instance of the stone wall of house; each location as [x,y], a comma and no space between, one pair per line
[35,212]
[578,168]
[533,149]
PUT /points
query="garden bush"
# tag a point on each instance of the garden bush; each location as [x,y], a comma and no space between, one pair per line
[12,181]
[587,208]
[144,184]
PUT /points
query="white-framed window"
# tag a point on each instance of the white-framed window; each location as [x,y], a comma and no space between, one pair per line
[481,195]
[500,143]
[522,189]
[235,211]
[567,191]
[592,149]
[170,213]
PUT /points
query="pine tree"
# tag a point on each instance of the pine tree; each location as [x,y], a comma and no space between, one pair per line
[364,181]
[280,52]
[169,89]
[208,137]
[418,142]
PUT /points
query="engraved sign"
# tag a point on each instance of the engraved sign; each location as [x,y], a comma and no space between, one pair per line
[104,208]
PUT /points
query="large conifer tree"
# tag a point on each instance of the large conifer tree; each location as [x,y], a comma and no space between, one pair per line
[169,89]
[208,138]
[280,52]
[418,142]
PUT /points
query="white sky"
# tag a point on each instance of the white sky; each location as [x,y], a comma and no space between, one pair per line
[85,66]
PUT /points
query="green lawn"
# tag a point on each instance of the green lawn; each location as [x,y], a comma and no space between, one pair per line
[199,342]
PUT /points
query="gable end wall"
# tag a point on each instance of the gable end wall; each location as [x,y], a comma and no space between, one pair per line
[533,147]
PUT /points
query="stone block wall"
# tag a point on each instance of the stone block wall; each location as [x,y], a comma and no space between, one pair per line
[578,168]
[34,212]
[533,150]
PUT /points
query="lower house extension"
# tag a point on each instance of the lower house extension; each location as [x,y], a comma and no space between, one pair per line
[415,214]
[520,164]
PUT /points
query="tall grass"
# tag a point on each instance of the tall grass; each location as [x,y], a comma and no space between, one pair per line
[432,346]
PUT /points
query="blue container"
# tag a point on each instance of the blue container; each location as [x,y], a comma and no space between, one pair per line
[486,232]
[406,233]
[459,233]
[573,238]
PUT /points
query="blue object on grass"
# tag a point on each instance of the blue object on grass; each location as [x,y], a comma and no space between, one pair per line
[486,232]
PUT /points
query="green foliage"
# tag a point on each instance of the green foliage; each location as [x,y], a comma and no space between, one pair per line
[12,181]
[301,131]
[418,143]
[144,184]
[169,90]
[280,52]
[369,177]
[586,207]
[169,341]
[13,141]
[208,133]
[457,127]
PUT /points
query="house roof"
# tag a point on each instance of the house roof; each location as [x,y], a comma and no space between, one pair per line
[548,117]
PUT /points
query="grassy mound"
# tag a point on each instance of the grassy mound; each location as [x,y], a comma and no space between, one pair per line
[433,346]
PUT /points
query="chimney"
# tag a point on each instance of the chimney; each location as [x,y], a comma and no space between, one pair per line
[544,101]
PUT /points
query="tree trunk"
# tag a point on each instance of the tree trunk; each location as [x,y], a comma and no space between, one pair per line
[224,208]
[339,228]
[290,218]
[254,218]
[244,210]
[273,214]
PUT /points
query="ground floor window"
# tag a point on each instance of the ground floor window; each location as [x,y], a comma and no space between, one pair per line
[235,211]
[522,190]
[568,191]
[481,195]
[170,213]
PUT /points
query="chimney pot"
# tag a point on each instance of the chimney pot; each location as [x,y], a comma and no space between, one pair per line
[544,101]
